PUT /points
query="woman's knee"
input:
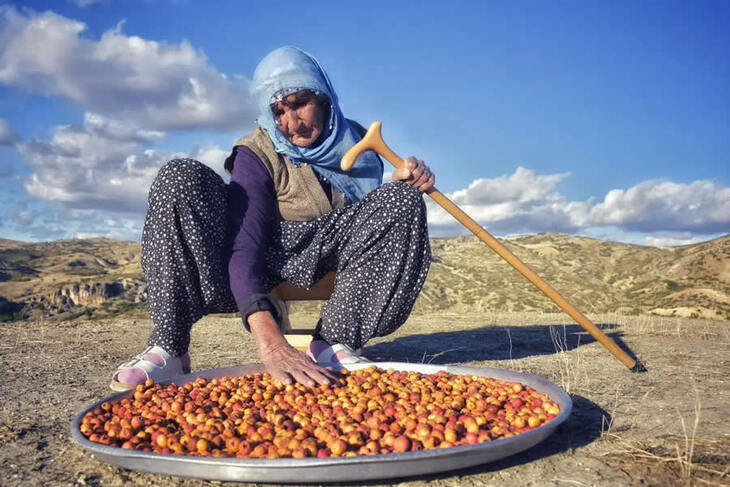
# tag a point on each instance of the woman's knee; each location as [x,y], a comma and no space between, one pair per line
[179,176]
[401,199]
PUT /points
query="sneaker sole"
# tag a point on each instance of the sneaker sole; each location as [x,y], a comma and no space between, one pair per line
[122,387]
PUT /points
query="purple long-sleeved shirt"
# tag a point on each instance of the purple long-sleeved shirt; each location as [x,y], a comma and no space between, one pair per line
[253,213]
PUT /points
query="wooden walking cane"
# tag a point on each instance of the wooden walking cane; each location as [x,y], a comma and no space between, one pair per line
[374,141]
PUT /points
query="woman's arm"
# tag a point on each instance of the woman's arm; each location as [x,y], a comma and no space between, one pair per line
[252,210]
[252,214]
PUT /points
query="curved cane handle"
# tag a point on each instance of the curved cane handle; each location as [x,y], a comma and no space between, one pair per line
[371,141]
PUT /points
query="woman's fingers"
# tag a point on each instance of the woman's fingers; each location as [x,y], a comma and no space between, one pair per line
[401,174]
[314,375]
[314,371]
[311,377]
[321,375]
[416,173]
[288,364]
[280,375]
[301,377]
[421,175]
[413,168]
[428,184]
[404,173]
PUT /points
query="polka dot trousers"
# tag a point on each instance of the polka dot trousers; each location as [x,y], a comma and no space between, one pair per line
[377,247]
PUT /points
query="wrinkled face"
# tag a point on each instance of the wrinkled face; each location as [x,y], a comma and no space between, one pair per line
[301,117]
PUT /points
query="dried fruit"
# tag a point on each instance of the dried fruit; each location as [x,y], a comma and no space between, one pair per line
[370,411]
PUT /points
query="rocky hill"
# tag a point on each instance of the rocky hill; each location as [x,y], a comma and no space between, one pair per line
[103,277]
[596,276]
[68,277]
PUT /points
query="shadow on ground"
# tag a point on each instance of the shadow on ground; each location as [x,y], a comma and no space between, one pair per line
[486,343]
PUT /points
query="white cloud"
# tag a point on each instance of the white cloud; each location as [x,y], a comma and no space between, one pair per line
[117,229]
[117,130]
[212,156]
[100,165]
[85,3]
[523,186]
[158,85]
[525,202]
[670,241]
[701,206]
[34,223]
[50,221]
[8,137]
[21,216]
[518,203]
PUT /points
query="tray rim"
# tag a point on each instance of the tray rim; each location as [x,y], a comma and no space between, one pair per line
[139,460]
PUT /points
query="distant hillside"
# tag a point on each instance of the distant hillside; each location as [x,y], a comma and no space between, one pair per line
[596,276]
[102,277]
[68,277]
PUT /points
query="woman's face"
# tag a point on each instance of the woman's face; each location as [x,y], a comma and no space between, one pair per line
[300,117]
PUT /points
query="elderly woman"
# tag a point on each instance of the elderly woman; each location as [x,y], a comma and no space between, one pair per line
[288,214]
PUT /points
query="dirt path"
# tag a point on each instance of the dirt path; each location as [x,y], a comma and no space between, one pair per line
[627,429]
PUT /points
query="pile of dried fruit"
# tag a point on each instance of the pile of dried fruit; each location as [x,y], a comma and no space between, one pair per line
[370,412]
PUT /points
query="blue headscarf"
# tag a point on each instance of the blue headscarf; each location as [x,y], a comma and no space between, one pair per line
[289,69]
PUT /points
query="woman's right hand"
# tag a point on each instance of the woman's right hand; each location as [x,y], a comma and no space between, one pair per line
[281,360]
[416,173]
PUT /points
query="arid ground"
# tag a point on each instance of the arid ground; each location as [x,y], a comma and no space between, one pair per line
[667,426]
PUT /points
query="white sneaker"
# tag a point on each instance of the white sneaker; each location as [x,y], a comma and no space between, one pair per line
[153,363]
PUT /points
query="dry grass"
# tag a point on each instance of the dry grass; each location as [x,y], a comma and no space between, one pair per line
[685,455]
[681,462]
[607,420]
[675,453]
[571,367]
[673,327]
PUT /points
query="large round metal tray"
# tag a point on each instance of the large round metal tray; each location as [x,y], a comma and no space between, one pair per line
[343,469]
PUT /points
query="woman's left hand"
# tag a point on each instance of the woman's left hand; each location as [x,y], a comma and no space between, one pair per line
[415,173]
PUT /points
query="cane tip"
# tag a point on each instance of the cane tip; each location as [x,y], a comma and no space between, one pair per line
[639,367]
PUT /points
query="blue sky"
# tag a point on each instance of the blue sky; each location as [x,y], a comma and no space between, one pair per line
[606,119]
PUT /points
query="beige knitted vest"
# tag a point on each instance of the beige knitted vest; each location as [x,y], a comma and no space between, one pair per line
[299,194]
